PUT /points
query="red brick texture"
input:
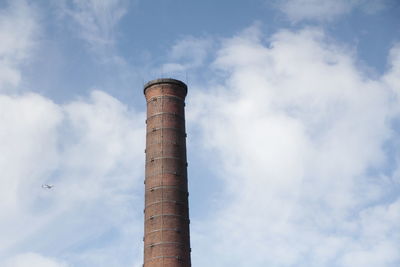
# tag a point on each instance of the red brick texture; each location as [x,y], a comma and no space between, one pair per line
[166,213]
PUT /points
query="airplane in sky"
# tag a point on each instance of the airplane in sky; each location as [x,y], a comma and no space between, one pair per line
[47,186]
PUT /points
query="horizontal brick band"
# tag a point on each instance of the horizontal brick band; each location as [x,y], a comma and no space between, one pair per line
[167,113]
[165,229]
[179,188]
[166,128]
[157,158]
[164,142]
[179,258]
[167,215]
[154,98]
[164,172]
[180,244]
[166,201]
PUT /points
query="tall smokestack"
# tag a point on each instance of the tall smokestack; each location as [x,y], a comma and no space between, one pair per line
[166,216]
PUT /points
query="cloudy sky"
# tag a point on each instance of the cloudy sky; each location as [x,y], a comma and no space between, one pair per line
[293,118]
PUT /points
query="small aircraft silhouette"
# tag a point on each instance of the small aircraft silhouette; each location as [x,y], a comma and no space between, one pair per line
[47,186]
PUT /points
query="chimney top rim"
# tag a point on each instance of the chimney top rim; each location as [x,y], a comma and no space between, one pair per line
[164,80]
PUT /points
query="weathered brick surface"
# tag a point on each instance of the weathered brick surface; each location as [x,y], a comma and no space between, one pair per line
[166,235]
[165,150]
[166,179]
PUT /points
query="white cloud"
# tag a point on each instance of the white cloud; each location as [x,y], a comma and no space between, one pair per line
[18,32]
[186,54]
[301,136]
[324,10]
[32,260]
[96,20]
[92,151]
[28,142]
[392,77]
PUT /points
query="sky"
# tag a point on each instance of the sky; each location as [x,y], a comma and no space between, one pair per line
[293,120]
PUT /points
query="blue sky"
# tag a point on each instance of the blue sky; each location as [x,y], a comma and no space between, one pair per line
[293,118]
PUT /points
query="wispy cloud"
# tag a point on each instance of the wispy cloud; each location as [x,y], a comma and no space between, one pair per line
[186,54]
[33,260]
[96,20]
[325,10]
[18,35]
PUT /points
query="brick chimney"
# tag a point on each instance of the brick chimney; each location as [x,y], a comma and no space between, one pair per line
[166,214]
